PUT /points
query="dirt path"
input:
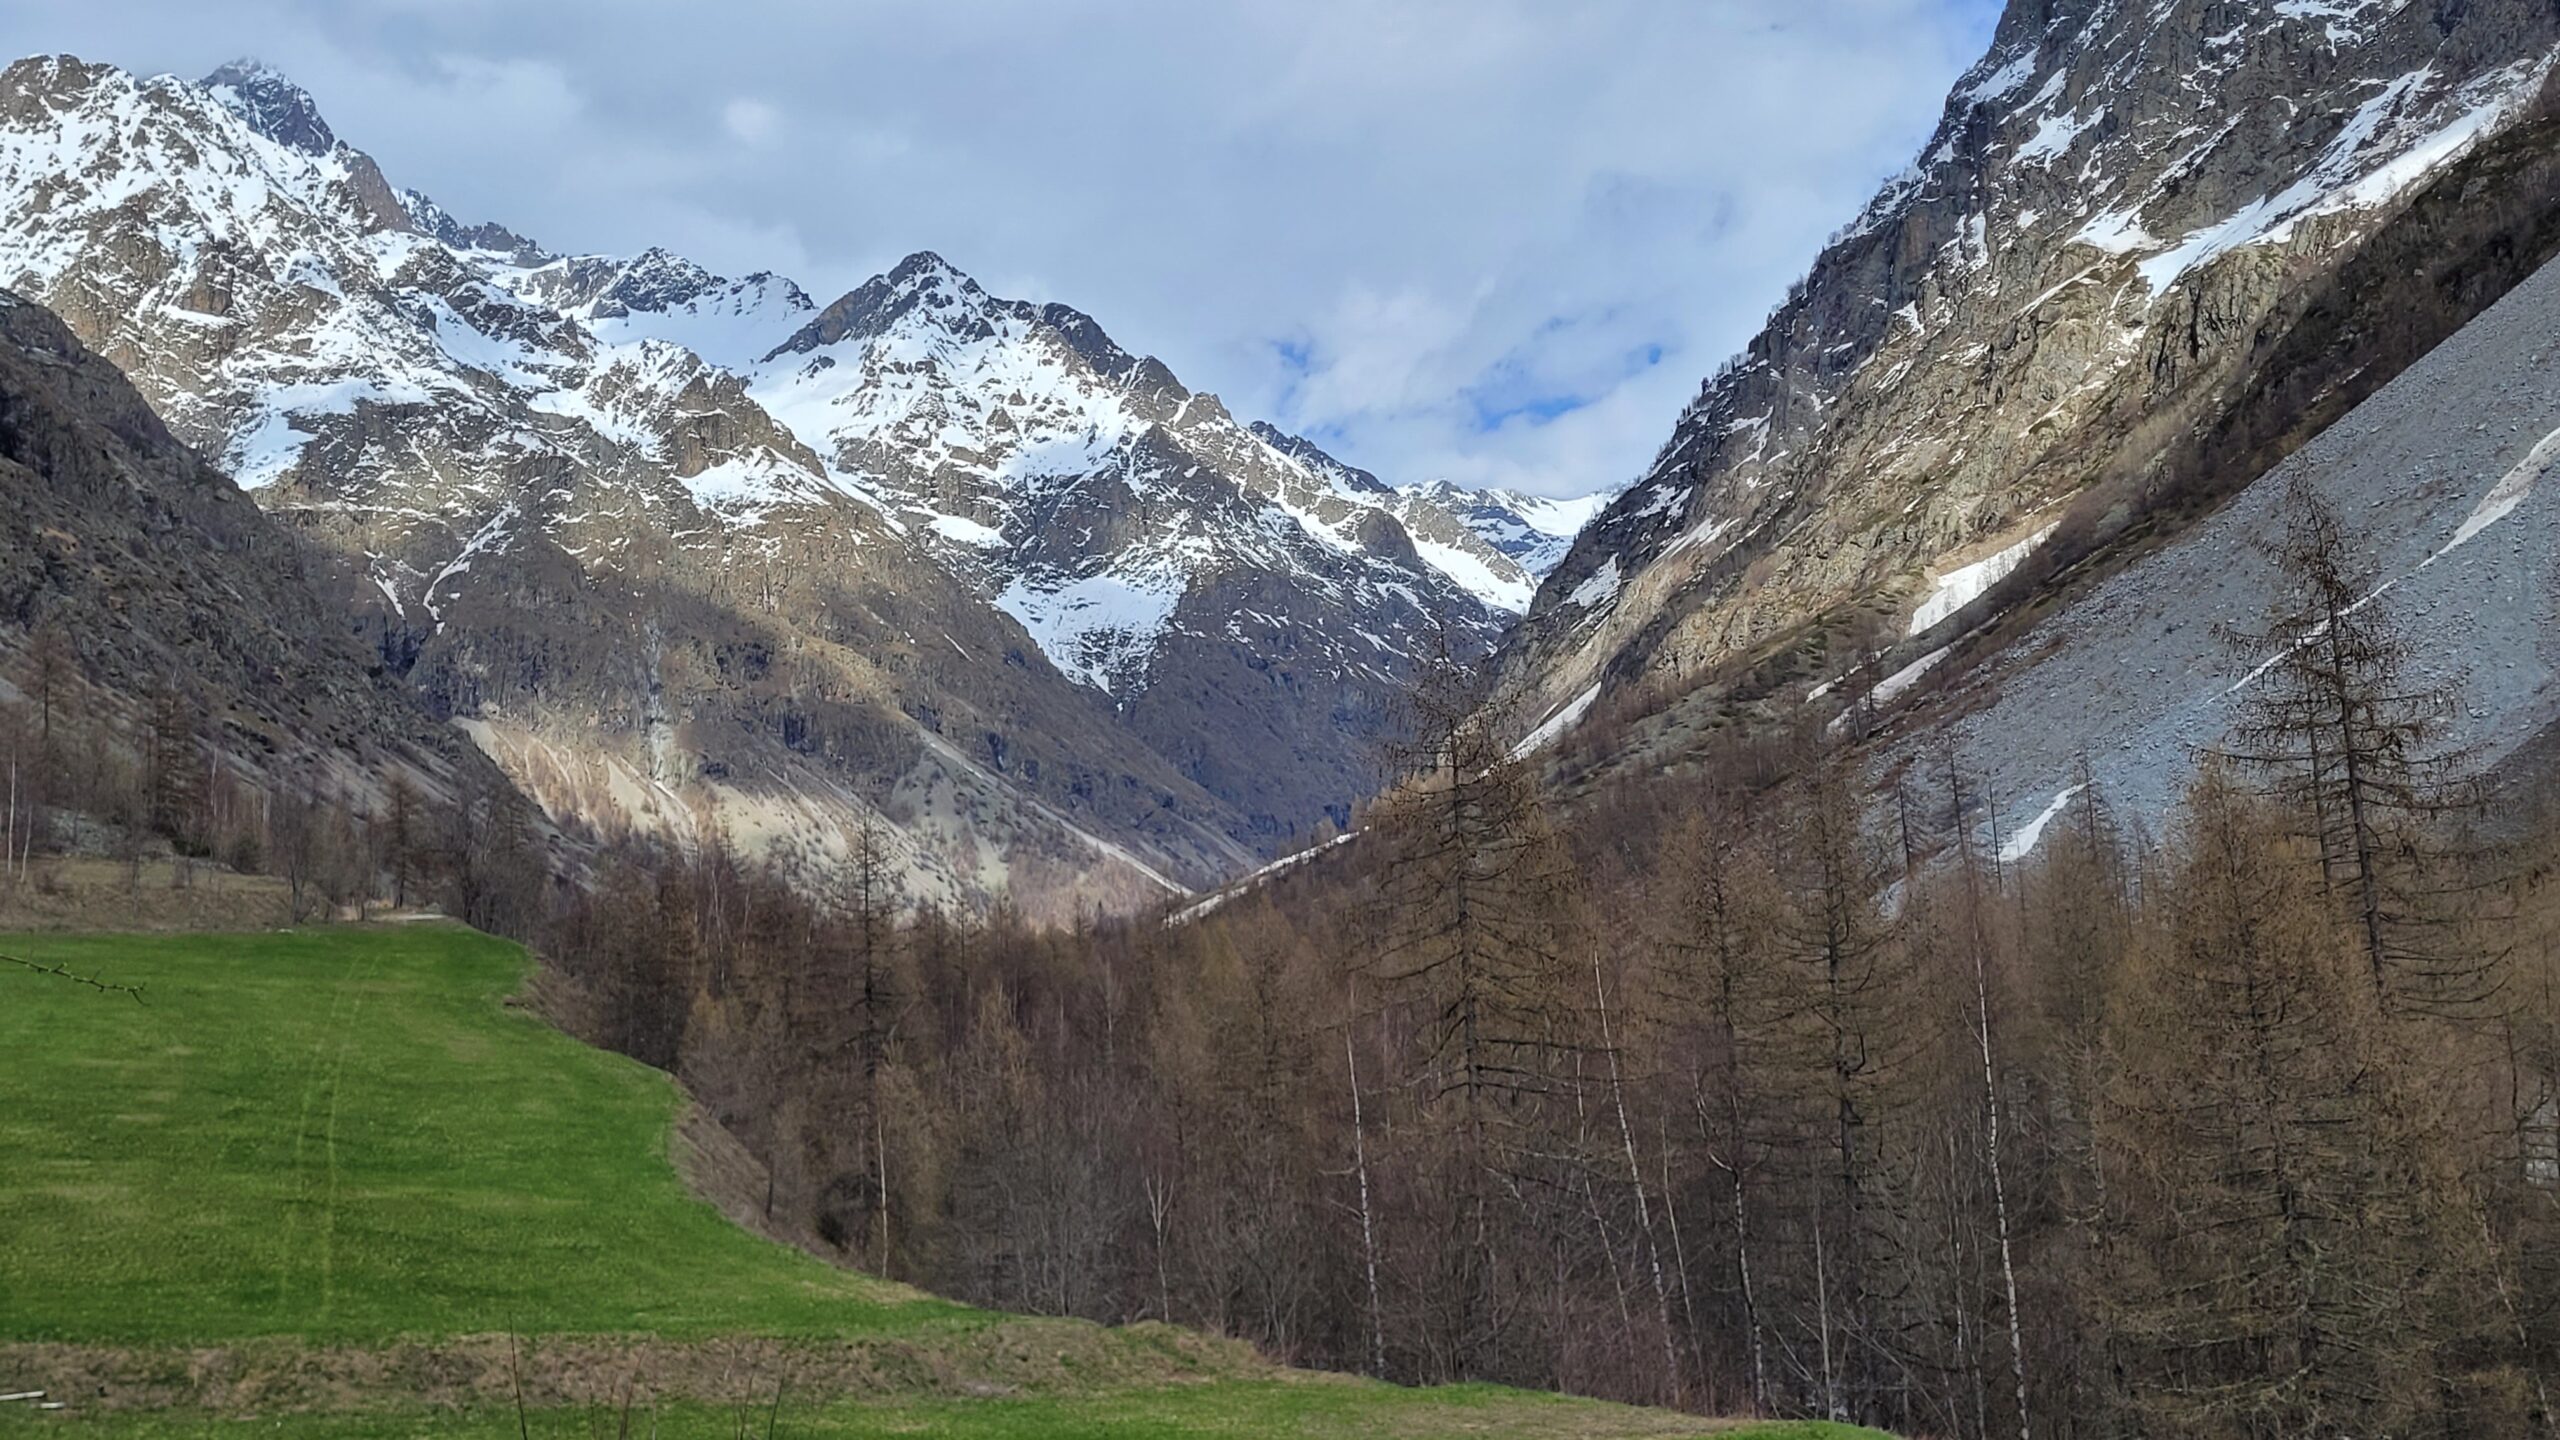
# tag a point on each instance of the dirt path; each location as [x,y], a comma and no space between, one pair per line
[1009,1357]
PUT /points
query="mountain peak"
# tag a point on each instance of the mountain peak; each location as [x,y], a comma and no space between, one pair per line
[429,218]
[246,71]
[927,279]
[923,281]
[53,75]
[272,105]
[1307,452]
[924,265]
[659,272]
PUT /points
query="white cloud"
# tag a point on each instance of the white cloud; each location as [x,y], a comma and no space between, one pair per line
[1372,352]
[1458,214]
[751,121]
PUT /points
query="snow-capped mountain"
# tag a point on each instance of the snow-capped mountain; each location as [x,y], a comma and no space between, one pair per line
[1528,535]
[659,295]
[1086,489]
[687,551]
[2128,211]
[1243,599]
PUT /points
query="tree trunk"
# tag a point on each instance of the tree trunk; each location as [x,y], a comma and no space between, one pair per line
[1368,1231]
[1999,1182]
[1635,1181]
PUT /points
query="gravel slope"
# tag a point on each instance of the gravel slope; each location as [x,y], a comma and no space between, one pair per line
[2137,672]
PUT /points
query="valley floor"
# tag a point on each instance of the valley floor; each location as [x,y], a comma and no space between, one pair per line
[338,1183]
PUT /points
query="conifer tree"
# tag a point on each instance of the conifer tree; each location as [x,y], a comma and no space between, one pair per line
[2077,915]
[173,774]
[2336,725]
[50,664]
[876,995]
[2276,1191]
[1845,965]
[1974,935]
[1717,995]
[400,825]
[1474,899]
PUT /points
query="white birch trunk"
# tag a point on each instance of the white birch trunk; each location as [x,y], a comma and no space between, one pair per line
[880,1157]
[1832,1409]
[1368,1233]
[1679,1250]
[1751,1309]
[1999,1183]
[1635,1181]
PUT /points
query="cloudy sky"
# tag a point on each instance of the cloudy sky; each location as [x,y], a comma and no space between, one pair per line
[1496,241]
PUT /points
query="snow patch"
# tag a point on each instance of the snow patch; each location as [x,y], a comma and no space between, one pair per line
[741,483]
[1961,587]
[1891,687]
[1598,588]
[2335,182]
[1566,717]
[1704,532]
[271,442]
[1506,593]
[2055,135]
[489,536]
[2001,82]
[1256,880]
[1099,630]
[1887,690]
[2503,497]
[965,531]
[2118,232]
[1550,516]
[2019,846]
[2340,18]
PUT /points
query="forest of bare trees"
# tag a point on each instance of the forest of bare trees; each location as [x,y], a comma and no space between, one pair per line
[1747,1090]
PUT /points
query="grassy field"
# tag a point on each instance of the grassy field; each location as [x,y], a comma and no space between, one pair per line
[345,1135]
[316,1183]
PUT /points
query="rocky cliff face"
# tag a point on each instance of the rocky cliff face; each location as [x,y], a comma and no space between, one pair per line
[160,575]
[2125,202]
[692,554]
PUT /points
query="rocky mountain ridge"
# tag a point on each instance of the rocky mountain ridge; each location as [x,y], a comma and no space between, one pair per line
[2125,203]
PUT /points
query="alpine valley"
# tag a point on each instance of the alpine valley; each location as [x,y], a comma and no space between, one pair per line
[2007,885]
